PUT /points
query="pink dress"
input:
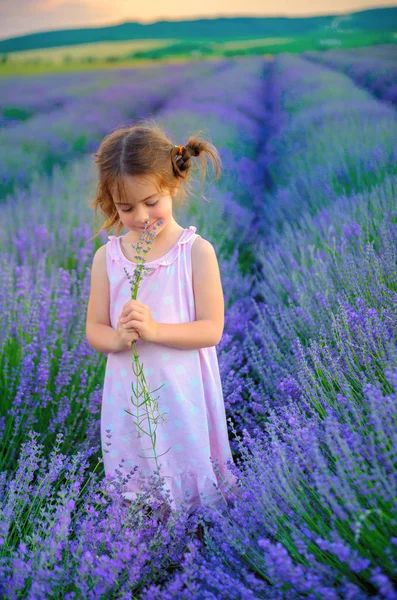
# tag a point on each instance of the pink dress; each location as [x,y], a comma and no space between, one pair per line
[190,399]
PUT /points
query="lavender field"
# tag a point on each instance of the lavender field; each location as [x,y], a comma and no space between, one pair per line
[304,223]
[374,68]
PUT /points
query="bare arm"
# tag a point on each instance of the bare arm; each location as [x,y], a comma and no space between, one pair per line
[187,336]
[207,330]
[99,332]
[105,339]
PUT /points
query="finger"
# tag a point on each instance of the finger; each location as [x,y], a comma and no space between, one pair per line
[133,332]
[135,314]
[137,304]
[131,325]
[133,304]
[128,307]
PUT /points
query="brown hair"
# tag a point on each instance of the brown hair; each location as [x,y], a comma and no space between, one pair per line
[144,149]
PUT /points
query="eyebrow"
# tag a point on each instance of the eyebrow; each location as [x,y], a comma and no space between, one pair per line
[144,200]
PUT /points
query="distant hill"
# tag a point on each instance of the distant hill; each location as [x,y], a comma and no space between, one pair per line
[227,28]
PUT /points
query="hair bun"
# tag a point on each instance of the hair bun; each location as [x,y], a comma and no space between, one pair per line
[195,149]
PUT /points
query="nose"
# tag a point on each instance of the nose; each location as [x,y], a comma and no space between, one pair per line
[142,221]
[142,224]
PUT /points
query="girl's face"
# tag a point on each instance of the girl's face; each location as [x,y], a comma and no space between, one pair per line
[143,203]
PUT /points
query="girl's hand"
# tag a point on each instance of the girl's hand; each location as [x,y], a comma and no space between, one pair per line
[127,336]
[137,315]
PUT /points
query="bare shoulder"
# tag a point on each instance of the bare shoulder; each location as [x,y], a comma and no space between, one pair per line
[204,259]
[98,268]
[100,255]
[202,248]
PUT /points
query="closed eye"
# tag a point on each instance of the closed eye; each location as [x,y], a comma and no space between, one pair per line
[130,209]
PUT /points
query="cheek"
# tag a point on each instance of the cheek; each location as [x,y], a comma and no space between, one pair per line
[160,212]
[165,209]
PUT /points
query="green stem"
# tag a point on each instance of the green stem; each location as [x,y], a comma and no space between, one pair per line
[149,405]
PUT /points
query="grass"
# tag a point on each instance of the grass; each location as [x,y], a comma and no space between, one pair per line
[133,54]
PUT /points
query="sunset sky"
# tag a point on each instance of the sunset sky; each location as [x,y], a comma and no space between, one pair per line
[19,17]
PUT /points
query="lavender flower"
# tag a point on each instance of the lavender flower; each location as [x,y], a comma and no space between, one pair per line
[141,392]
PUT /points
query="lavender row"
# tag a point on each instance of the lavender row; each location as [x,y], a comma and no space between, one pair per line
[54,377]
[296,289]
[60,224]
[53,209]
[23,97]
[32,148]
[57,207]
[323,364]
[317,513]
[261,555]
[332,139]
[373,69]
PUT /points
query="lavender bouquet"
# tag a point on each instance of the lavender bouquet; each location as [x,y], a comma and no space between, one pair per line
[141,391]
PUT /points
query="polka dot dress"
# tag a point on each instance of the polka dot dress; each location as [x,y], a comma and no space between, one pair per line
[190,399]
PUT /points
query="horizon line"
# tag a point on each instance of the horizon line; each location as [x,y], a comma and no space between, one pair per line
[197,18]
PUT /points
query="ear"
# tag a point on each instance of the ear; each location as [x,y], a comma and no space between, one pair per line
[175,190]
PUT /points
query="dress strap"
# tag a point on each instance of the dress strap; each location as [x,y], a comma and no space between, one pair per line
[116,254]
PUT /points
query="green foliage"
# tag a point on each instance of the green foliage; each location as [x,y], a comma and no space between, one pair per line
[15,113]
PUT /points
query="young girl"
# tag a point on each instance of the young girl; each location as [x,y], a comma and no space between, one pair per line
[176,321]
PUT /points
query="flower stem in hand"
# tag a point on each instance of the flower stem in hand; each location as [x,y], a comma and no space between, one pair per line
[141,392]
